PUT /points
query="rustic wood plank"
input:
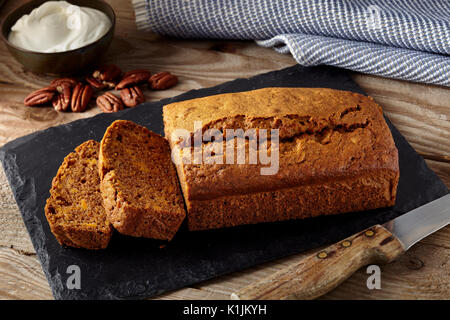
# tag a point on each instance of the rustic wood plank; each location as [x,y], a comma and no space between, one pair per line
[398,281]
[420,112]
[193,294]
[442,169]
[13,233]
[21,277]
[422,273]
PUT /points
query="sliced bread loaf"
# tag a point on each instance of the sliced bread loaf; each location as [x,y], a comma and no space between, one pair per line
[139,184]
[74,209]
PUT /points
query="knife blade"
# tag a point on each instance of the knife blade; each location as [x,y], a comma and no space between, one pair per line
[419,223]
[319,273]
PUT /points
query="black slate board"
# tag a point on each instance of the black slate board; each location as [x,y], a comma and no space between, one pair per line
[138,268]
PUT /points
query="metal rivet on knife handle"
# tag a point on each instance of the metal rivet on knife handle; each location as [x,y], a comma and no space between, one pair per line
[346,243]
[369,233]
[322,255]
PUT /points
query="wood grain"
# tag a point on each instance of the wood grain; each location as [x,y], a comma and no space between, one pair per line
[21,277]
[420,112]
[317,274]
[422,273]
[442,169]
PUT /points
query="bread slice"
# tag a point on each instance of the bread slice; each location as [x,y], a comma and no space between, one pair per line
[139,184]
[74,209]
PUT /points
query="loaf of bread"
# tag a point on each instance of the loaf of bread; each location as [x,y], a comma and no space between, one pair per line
[74,209]
[139,184]
[334,149]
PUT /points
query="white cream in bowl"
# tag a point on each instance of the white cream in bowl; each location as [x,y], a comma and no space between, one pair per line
[58,26]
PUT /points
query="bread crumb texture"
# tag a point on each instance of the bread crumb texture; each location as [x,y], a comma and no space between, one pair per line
[139,185]
[74,209]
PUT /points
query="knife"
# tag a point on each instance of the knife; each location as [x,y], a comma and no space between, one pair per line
[319,273]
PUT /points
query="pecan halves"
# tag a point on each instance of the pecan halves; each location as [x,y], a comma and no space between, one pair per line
[61,101]
[104,77]
[63,94]
[162,80]
[100,84]
[71,82]
[133,78]
[96,83]
[131,97]
[40,96]
[107,73]
[81,95]
[108,103]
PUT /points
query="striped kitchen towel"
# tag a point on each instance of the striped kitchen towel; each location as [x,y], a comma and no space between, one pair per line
[401,39]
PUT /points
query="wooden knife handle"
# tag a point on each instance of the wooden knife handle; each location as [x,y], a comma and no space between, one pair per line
[319,273]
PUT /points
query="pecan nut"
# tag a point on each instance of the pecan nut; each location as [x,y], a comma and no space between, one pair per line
[107,73]
[71,82]
[162,80]
[96,83]
[40,96]
[108,103]
[61,101]
[82,94]
[131,97]
[133,78]
[99,84]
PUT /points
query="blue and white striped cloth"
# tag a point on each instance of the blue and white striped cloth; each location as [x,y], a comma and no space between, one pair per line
[402,39]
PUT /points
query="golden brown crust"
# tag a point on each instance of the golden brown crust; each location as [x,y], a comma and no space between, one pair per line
[326,137]
[74,209]
[305,201]
[139,186]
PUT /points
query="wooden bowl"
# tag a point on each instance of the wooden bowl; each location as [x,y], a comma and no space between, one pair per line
[59,63]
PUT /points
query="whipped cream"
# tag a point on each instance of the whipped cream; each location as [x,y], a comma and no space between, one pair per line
[58,26]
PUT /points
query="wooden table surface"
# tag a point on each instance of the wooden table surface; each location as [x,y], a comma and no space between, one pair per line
[420,112]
